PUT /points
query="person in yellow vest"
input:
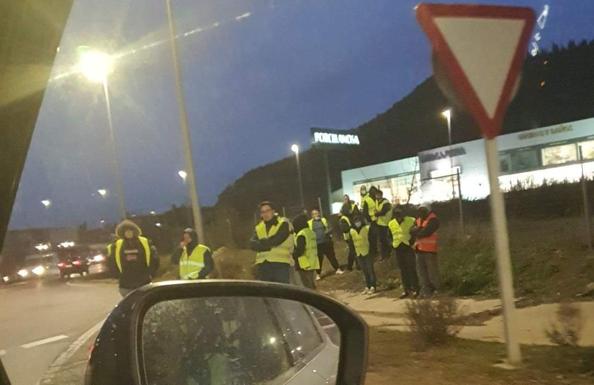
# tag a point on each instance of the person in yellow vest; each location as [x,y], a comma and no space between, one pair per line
[193,258]
[360,236]
[368,209]
[425,233]
[319,225]
[305,253]
[400,226]
[345,223]
[383,214]
[349,207]
[273,243]
[135,259]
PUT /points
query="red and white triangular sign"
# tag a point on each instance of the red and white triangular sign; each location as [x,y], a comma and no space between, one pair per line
[481,48]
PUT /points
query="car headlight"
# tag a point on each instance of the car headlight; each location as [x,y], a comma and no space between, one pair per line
[98,258]
[23,273]
[39,270]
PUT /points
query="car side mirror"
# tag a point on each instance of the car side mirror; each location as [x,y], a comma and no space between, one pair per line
[229,332]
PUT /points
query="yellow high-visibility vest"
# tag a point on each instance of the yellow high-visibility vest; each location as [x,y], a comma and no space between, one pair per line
[383,219]
[361,241]
[346,236]
[145,245]
[309,260]
[280,253]
[191,266]
[401,231]
[371,206]
[324,222]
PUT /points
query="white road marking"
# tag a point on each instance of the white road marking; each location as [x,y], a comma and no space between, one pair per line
[44,341]
[68,353]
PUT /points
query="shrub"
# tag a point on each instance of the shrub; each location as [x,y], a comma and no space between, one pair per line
[433,322]
[566,331]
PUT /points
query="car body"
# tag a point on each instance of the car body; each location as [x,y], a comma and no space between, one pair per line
[39,266]
[73,260]
[97,260]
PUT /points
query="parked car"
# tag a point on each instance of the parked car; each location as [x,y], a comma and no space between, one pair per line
[39,266]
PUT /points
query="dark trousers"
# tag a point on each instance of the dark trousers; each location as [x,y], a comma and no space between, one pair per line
[352,255]
[428,270]
[382,234]
[327,249]
[366,263]
[373,237]
[405,256]
[273,272]
[308,278]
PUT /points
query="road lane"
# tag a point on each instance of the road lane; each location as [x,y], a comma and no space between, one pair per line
[37,312]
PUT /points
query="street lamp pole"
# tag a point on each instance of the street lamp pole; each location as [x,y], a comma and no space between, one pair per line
[295,149]
[114,152]
[183,120]
[448,115]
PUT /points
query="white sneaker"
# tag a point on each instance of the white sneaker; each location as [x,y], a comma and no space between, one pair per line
[366,291]
[318,277]
[371,290]
[339,271]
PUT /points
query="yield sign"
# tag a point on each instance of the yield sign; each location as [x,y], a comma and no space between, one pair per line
[481,49]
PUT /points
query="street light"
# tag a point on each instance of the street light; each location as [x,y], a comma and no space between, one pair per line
[295,149]
[46,203]
[184,126]
[96,66]
[447,114]
[102,192]
[183,175]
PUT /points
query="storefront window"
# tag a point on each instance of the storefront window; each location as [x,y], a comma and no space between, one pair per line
[559,154]
[524,160]
[505,163]
[587,149]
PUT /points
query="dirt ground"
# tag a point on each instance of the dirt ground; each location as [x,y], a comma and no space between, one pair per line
[392,360]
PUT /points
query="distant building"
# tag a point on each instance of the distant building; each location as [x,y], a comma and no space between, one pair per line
[527,159]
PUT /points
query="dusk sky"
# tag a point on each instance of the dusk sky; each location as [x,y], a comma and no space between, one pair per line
[256,76]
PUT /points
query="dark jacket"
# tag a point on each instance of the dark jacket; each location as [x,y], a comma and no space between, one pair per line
[432,226]
[385,208]
[275,240]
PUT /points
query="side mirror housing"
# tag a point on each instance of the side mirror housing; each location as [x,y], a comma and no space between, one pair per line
[221,332]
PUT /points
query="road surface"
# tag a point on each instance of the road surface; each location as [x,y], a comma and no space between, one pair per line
[38,322]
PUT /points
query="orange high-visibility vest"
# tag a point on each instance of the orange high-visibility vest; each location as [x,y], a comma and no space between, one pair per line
[427,244]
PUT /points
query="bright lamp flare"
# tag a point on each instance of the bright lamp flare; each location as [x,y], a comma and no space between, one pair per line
[295,148]
[95,65]
[447,113]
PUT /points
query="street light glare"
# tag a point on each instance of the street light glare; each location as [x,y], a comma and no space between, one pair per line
[182,174]
[295,148]
[95,65]
[102,192]
[447,113]
[46,202]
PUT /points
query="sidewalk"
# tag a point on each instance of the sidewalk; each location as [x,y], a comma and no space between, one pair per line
[533,321]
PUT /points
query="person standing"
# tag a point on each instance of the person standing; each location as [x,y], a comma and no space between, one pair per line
[368,206]
[349,207]
[384,215]
[305,253]
[345,225]
[273,243]
[400,227]
[360,235]
[325,245]
[135,259]
[425,233]
[193,258]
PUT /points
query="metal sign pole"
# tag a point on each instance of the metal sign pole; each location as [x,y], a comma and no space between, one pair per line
[504,267]
[460,208]
[586,203]
[328,182]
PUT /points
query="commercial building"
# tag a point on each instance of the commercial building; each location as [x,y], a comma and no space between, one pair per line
[528,159]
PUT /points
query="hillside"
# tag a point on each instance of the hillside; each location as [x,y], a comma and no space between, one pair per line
[556,86]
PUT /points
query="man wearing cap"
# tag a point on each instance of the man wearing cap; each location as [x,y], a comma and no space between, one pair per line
[425,233]
[194,259]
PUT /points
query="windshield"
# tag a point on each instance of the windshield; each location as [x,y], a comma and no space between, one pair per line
[426,166]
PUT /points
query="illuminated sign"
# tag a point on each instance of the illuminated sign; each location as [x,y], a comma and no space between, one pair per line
[547,132]
[334,137]
[448,153]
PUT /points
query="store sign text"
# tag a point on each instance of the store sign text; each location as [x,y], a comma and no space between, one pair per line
[334,138]
[430,157]
[549,131]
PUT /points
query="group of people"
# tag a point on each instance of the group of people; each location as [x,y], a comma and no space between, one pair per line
[294,251]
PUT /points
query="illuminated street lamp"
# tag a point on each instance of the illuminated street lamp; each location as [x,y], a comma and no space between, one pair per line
[183,175]
[295,149]
[46,203]
[102,192]
[96,66]
[447,114]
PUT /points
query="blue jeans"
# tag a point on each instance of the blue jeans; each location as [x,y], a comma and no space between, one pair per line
[366,264]
[273,272]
